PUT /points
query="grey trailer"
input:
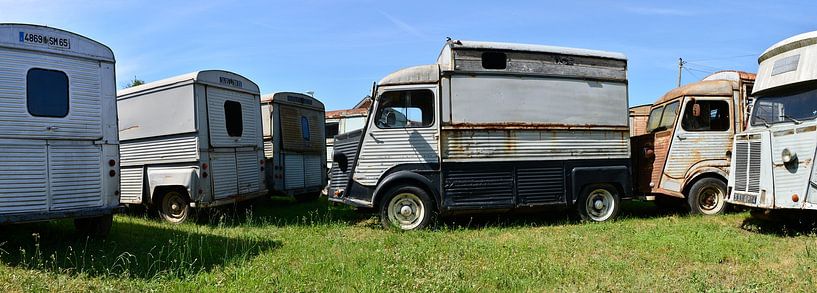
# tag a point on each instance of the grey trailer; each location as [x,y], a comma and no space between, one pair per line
[491,127]
[59,149]
[191,141]
[294,145]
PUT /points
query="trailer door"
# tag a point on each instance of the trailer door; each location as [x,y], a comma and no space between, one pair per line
[235,137]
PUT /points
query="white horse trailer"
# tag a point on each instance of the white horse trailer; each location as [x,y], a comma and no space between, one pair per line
[294,144]
[58,140]
[773,160]
[191,141]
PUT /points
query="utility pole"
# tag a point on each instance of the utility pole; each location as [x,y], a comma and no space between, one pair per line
[681,63]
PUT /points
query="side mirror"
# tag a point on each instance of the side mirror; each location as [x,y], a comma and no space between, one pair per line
[696,110]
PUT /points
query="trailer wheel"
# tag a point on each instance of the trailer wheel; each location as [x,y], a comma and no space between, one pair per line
[599,203]
[407,208]
[706,197]
[94,227]
[174,206]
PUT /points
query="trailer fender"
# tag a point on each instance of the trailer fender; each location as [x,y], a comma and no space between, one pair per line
[185,177]
[616,175]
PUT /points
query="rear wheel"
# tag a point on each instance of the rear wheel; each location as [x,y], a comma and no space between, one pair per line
[598,203]
[706,197]
[94,227]
[407,208]
[174,206]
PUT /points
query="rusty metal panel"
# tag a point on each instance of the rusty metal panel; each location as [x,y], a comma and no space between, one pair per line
[661,144]
[545,64]
[291,132]
[521,144]
[538,101]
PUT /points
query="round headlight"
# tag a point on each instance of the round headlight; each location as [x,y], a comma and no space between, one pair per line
[788,156]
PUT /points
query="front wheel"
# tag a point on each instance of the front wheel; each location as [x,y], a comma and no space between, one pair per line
[599,203]
[174,207]
[407,208]
[706,197]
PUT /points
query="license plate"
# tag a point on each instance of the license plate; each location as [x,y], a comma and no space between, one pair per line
[745,198]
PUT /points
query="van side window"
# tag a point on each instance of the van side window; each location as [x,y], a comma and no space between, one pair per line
[47,93]
[669,116]
[405,109]
[706,116]
[305,128]
[233,118]
[655,119]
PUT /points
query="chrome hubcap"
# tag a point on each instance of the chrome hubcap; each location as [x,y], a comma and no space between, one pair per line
[710,200]
[600,204]
[406,211]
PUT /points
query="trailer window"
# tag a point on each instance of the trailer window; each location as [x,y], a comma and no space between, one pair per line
[405,109]
[706,116]
[305,128]
[47,93]
[233,118]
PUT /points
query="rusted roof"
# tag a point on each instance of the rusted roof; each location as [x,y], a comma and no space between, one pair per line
[346,113]
[462,44]
[733,75]
[413,75]
[701,88]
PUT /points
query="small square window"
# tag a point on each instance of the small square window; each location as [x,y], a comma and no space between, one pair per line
[233,118]
[47,93]
[494,60]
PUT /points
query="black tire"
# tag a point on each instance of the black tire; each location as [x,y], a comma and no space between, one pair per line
[173,206]
[307,197]
[598,203]
[98,227]
[707,197]
[407,208]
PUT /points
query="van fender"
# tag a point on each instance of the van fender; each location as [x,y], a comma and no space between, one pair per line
[404,175]
[617,175]
[185,177]
[702,169]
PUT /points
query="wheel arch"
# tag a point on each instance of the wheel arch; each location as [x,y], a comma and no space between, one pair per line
[701,173]
[618,176]
[405,178]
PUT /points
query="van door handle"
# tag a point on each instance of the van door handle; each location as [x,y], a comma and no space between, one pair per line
[681,137]
[51,128]
[436,136]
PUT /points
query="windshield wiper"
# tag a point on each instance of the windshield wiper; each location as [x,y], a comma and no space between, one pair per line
[792,119]
[763,120]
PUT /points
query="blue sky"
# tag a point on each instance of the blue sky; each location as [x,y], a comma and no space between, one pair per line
[338,48]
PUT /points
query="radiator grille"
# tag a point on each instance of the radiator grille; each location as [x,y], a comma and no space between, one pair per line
[747,166]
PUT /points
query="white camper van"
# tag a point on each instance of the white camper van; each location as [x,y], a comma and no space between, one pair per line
[491,126]
[294,144]
[773,160]
[59,153]
[191,141]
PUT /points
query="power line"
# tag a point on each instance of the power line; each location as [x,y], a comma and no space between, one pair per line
[691,73]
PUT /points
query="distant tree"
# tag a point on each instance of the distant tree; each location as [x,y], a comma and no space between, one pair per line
[133,83]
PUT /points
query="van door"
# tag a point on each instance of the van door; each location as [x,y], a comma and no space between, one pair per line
[402,131]
[703,134]
[660,125]
[51,119]
[302,145]
[233,121]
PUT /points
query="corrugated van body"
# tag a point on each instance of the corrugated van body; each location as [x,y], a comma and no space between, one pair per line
[58,126]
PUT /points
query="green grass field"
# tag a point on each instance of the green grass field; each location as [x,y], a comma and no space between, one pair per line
[283,246]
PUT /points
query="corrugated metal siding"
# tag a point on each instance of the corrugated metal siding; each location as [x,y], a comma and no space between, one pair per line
[348,147]
[475,186]
[385,149]
[23,177]
[661,149]
[75,173]
[313,170]
[787,182]
[293,139]
[293,171]
[472,145]
[540,184]
[224,174]
[268,148]
[697,147]
[249,171]
[251,136]
[132,183]
[84,120]
[160,150]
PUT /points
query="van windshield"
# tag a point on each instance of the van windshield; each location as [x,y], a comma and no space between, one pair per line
[785,108]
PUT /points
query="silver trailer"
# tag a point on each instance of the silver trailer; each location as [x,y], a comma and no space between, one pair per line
[294,145]
[773,159]
[191,141]
[59,153]
[491,127]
